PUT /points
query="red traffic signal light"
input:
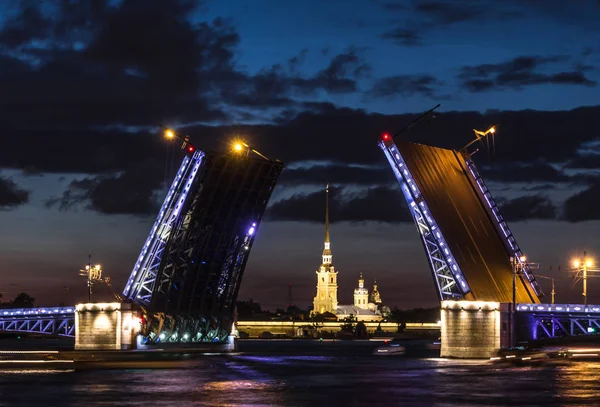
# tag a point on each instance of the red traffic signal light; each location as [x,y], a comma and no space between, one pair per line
[385,136]
[191,148]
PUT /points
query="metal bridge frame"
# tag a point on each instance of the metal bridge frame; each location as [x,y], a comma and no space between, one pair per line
[509,239]
[140,285]
[558,320]
[58,321]
[450,282]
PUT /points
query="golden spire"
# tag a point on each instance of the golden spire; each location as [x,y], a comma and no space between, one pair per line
[327,214]
[327,249]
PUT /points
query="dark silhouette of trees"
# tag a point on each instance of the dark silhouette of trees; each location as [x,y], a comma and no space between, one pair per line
[22,300]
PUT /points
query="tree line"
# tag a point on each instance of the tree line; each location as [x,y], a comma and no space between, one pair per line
[22,300]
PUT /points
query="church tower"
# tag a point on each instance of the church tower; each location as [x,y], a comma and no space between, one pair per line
[375,297]
[326,298]
[361,294]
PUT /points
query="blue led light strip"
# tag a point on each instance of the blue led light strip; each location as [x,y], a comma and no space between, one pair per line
[159,220]
[559,308]
[21,312]
[501,224]
[141,282]
[447,274]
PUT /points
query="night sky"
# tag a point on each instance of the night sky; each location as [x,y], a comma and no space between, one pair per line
[86,85]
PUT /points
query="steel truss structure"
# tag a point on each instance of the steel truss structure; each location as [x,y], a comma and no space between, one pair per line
[188,274]
[509,240]
[58,321]
[450,282]
[543,321]
[140,285]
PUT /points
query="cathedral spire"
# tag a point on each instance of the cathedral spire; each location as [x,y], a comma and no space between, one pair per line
[327,214]
[327,249]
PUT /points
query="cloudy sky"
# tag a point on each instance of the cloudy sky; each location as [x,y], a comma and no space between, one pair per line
[85,86]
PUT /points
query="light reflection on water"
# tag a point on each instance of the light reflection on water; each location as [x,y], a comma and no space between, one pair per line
[579,382]
[310,380]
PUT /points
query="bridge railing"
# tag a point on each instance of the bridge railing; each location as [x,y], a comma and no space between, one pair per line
[48,320]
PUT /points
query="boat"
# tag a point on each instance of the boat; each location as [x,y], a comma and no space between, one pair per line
[390,348]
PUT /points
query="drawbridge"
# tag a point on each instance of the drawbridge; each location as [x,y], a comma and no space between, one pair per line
[467,241]
[188,274]
[471,251]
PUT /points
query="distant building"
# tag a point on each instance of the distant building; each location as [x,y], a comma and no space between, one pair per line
[365,307]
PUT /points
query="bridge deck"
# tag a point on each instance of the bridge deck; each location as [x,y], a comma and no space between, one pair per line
[471,234]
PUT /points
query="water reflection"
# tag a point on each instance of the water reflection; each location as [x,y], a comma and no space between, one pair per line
[577,383]
[310,380]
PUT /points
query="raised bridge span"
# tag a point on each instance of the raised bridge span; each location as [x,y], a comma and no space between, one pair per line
[188,273]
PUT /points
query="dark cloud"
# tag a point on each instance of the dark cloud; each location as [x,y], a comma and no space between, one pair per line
[338,174]
[403,36]
[584,161]
[404,85]
[379,204]
[523,172]
[131,192]
[541,187]
[584,205]
[276,86]
[420,17]
[11,195]
[527,207]
[27,25]
[326,133]
[520,72]
[451,12]
[142,62]
[134,64]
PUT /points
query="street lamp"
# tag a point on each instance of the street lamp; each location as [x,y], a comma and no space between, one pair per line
[479,134]
[93,273]
[185,141]
[581,268]
[240,147]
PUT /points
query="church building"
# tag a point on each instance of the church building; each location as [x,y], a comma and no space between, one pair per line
[365,307]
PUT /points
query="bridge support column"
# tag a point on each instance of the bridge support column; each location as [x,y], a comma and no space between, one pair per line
[106,326]
[474,329]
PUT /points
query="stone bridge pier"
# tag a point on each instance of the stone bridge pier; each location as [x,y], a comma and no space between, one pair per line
[474,329]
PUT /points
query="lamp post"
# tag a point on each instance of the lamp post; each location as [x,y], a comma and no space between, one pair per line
[582,266]
[517,264]
[553,292]
[93,273]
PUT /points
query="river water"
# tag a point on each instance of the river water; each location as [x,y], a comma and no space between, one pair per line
[268,373]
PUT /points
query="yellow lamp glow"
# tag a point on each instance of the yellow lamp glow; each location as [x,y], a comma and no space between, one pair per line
[238,147]
[169,134]
[589,263]
[576,263]
[522,259]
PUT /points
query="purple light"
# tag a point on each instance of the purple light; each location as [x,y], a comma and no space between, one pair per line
[251,231]
[254,224]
